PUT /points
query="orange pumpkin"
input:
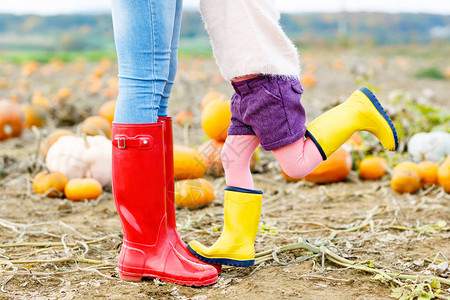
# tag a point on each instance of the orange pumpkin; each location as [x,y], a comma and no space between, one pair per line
[4,83]
[335,168]
[188,163]
[211,95]
[443,175]
[410,166]
[216,118]
[50,183]
[355,140]
[338,64]
[210,153]
[405,181]
[447,72]
[64,93]
[51,139]
[111,92]
[107,110]
[40,100]
[193,192]
[30,67]
[429,171]
[184,117]
[373,167]
[83,189]
[96,125]
[308,80]
[35,115]
[95,86]
[12,120]
[97,72]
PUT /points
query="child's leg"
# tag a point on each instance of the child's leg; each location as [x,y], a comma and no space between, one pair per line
[242,208]
[236,154]
[299,158]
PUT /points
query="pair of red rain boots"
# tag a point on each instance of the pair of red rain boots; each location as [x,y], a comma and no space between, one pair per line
[143,188]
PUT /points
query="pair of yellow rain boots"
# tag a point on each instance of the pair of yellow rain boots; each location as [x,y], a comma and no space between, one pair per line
[242,208]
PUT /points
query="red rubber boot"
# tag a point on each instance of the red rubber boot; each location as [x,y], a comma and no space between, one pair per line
[175,238]
[139,188]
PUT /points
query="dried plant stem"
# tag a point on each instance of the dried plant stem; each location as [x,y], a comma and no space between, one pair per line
[337,259]
[58,260]
[51,244]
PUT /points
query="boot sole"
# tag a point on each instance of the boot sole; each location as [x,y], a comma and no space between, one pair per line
[223,261]
[138,277]
[368,93]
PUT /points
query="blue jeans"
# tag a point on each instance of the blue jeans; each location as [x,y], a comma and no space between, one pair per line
[146,34]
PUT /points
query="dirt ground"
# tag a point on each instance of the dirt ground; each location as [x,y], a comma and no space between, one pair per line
[358,220]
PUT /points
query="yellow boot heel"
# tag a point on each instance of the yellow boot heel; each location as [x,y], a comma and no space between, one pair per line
[361,111]
[236,245]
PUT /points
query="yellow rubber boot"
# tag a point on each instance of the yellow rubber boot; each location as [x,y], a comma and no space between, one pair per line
[236,245]
[361,111]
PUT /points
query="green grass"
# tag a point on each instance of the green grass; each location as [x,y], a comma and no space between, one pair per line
[431,72]
[45,56]
[187,49]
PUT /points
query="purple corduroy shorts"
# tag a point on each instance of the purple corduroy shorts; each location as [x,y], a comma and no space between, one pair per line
[268,107]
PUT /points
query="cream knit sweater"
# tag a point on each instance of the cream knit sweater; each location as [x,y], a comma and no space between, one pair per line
[247,38]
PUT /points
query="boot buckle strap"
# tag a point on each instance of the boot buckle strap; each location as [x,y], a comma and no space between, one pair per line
[142,142]
[123,143]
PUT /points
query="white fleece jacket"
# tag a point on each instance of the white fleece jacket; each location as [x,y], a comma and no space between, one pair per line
[247,38]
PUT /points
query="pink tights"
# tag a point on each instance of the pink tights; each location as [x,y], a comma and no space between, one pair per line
[297,159]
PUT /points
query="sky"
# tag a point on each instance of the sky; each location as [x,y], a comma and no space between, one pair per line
[50,7]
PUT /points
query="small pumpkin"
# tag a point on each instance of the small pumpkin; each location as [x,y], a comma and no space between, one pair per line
[308,80]
[78,189]
[188,163]
[107,110]
[429,171]
[35,115]
[405,181]
[30,67]
[443,175]
[216,118]
[335,168]
[12,120]
[410,166]
[193,192]
[355,140]
[50,183]
[51,139]
[211,95]
[433,146]
[373,167]
[210,152]
[96,125]
[64,93]
[77,157]
[184,117]
[38,98]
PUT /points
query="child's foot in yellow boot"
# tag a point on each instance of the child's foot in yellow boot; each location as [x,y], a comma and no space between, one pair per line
[236,245]
[361,111]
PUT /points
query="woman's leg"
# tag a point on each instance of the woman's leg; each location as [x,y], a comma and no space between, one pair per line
[143,34]
[236,154]
[173,61]
[299,158]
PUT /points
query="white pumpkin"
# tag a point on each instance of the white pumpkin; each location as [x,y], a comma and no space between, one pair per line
[76,157]
[433,146]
